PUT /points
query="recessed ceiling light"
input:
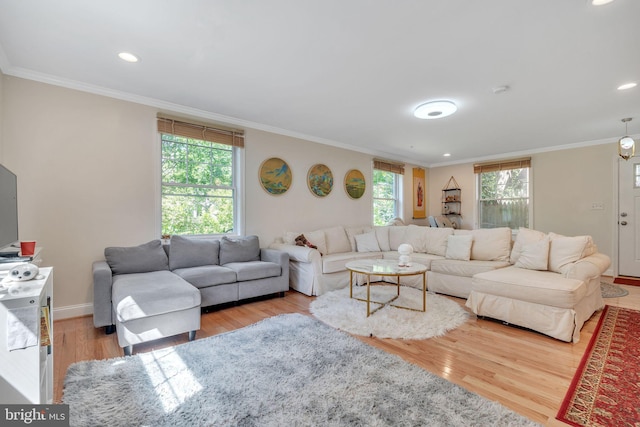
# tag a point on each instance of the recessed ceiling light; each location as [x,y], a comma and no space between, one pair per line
[600,2]
[129,57]
[446,155]
[435,110]
[627,86]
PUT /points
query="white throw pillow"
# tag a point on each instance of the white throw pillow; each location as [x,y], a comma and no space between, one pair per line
[436,240]
[565,250]
[367,242]
[353,231]
[459,247]
[382,234]
[524,237]
[534,256]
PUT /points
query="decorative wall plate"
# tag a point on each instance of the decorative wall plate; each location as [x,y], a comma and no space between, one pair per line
[354,183]
[320,180]
[275,176]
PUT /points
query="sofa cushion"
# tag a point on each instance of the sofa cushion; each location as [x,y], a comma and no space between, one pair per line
[367,242]
[534,256]
[187,252]
[436,240]
[207,275]
[459,247]
[140,295]
[539,287]
[337,240]
[396,236]
[336,262]
[352,232]
[420,258]
[525,236]
[253,270]
[565,250]
[416,236]
[454,267]
[489,244]
[241,249]
[382,234]
[137,259]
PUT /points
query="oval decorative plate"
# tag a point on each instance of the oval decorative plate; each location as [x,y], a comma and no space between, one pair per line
[320,180]
[275,176]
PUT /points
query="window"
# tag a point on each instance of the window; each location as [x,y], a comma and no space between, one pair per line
[503,194]
[387,202]
[199,193]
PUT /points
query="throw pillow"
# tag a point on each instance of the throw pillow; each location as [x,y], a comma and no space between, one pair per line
[185,252]
[459,247]
[565,250]
[524,237]
[367,242]
[534,256]
[336,240]
[239,250]
[137,259]
[436,240]
[490,244]
[353,231]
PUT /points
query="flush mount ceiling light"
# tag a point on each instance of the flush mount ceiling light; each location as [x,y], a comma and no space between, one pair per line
[627,86]
[435,110]
[600,2]
[626,144]
[129,57]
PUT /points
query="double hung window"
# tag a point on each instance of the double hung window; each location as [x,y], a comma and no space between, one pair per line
[387,191]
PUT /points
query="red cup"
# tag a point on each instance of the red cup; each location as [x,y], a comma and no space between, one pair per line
[28,247]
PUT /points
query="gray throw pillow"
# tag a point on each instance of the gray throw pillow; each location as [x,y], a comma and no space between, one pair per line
[239,250]
[137,259]
[186,252]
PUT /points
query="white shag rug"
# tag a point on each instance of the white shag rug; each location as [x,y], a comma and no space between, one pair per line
[338,310]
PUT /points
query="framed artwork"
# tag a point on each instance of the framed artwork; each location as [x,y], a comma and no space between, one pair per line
[320,180]
[354,183]
[419,210]
[275,176]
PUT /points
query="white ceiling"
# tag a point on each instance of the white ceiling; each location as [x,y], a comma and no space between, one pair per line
[350,72]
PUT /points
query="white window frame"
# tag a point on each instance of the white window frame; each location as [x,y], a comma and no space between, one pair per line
[478,220]
[397,190]
[238,164]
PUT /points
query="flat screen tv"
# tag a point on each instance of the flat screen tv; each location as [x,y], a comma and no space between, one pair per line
[8,212]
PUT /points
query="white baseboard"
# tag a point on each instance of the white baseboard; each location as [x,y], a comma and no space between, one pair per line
[72,311]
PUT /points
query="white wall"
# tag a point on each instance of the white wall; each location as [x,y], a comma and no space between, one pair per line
[564,185]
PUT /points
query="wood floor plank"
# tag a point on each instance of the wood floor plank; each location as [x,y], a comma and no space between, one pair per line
[523,370]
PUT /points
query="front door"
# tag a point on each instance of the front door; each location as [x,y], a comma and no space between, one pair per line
[629,217]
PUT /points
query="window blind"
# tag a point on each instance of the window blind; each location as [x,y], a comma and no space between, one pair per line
[231,137]
[502,165]
[385,165]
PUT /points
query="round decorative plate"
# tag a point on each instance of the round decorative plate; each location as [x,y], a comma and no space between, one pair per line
[275,176]
[320,180]
[354,183]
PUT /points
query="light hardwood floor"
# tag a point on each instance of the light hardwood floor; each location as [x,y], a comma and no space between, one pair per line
[525,371]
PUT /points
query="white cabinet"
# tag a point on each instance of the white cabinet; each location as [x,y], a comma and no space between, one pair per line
[26,374]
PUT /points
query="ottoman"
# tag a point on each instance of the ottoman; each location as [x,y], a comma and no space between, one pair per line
[153,305]
[543,301]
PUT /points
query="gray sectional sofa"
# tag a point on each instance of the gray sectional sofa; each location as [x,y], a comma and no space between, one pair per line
[156,290]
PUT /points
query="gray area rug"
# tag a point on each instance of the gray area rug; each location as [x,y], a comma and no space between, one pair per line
[288,370]
[610,290]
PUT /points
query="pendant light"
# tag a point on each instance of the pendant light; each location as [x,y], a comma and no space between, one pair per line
[626,144]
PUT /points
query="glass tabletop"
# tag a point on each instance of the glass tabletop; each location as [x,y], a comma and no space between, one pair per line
[385,267]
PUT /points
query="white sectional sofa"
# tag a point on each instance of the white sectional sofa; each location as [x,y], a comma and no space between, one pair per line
[546,282]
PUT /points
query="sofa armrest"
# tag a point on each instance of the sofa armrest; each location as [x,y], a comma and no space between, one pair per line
[102,282]
[298,253]
[275,256]
[589,267]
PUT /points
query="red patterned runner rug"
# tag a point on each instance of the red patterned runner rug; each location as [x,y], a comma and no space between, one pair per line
[605,390]
[624,280]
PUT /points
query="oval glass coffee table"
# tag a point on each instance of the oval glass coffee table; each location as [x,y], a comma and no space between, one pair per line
[386,267]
